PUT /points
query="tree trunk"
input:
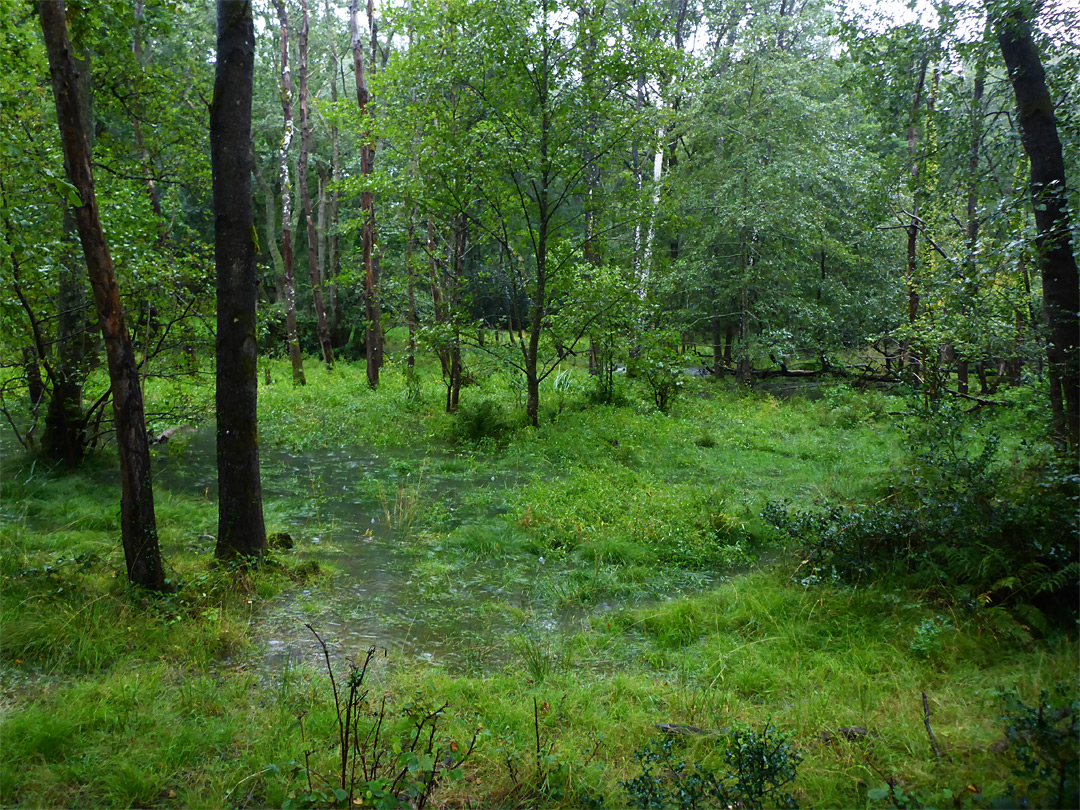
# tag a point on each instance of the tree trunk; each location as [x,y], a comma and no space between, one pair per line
[138,526]
[322,326]
[288,277]
[1061,291]
[911,357]
[970,275]
[373,328]
[66,436]
[410,275]
[743,366]
[241,531]
[539,297]
[333,256]
[438,311]
[717,349]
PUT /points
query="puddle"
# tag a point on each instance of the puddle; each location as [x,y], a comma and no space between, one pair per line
[351,508]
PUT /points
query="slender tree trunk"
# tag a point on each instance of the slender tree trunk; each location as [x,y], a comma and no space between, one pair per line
[913,360]
[241,531]
[459,241]
[743,366]
[539,296]
[270,214]
[380,336]
[1061,291]
[333,258]
[717,348]
[437,307]
[410,274]
[288,277]
[654,207]
[373,329]
[639,181]
[323,173]
[138,526]
[970,280]
[321,325]
[65,422]
[821,283]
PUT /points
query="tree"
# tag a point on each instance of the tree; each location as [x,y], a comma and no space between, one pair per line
[241,531]
[322,326]
[508,95]
[1061,291]
[775,194]
[373,336]
[137,521]
[288,273]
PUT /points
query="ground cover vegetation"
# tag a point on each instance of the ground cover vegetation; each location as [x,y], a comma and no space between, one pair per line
[694,420]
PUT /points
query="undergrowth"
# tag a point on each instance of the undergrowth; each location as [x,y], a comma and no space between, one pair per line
[607,543]
[964,521]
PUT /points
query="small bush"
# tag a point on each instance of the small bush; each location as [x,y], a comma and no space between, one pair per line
[660,365]
[758,767]
[379,761]
[485,420]
[1045,740]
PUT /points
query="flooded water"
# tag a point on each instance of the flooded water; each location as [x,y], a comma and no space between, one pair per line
[384,522]
[358,510]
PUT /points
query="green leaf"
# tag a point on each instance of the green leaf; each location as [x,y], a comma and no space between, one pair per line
[878,793]
[71,194]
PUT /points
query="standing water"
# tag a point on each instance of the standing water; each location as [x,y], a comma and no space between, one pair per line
[357,510]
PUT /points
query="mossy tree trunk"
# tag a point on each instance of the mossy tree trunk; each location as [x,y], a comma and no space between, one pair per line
[1061,291]
[321,324]
[241,531]
[138,525]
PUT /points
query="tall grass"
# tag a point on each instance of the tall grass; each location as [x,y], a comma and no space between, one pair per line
[112,697]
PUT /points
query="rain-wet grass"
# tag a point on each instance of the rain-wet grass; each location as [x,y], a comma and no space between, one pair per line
[610,565]
[758,651]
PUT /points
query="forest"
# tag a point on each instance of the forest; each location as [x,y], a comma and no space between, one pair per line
[534,403]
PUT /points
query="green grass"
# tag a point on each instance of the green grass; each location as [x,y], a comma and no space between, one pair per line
[617,517]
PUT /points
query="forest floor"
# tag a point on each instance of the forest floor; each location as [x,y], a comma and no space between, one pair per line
[597,606]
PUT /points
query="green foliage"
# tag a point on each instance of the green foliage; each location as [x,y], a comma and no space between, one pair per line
[1044,745]
[483,421]
[758,768]
[961,521]
[380,761]
[926,641]
[660,365]
[1045,740]
[632,617]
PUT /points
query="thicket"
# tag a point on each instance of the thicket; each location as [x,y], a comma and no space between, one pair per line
[964,519]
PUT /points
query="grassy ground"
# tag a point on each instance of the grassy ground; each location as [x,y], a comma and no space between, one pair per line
[114,698]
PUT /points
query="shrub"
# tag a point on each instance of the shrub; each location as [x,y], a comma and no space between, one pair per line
[378,762]
[960,522]
[1045,740]
[659,364]
[758,767]
[485,420]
